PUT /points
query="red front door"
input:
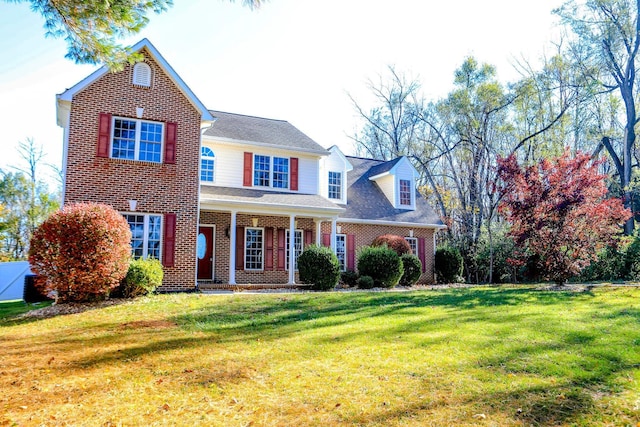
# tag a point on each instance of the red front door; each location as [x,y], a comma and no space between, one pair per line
[205,253]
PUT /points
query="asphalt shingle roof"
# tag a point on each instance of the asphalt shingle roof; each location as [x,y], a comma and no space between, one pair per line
[278,133]
[366,201]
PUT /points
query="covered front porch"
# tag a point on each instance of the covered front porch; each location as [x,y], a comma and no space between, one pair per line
[244,236]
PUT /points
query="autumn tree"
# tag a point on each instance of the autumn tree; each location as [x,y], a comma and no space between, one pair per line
[558,211]
[92,28]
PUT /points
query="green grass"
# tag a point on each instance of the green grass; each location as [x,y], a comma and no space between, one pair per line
[11,309]
[478,356]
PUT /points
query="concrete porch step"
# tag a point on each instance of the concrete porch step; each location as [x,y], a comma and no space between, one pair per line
[210,286]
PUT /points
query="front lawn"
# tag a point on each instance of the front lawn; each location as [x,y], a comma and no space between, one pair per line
[477,356]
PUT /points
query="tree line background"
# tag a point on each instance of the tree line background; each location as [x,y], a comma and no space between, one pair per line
[582,97]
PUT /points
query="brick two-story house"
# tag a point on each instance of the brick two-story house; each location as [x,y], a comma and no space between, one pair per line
[216,196]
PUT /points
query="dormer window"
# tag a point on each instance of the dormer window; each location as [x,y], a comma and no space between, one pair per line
[405,192]
[142,75]
[335,185]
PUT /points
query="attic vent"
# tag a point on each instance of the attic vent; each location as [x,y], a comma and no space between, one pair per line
[142,75]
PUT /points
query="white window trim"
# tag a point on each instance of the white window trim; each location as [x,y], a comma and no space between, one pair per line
[412,195]
[329,185]
[136,150]
[202,157]
[344,267]
[145,239]
[286,247]
[271,172]
[412,239]
[246,229]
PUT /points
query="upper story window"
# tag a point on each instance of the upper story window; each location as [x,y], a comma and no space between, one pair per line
[335,185]
[142,74]
[145,235]
[135,139]
[207,164]
[270,174]
[405,192]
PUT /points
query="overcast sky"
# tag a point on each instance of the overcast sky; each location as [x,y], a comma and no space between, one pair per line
[292,59]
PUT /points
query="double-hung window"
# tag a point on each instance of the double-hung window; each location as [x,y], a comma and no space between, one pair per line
[335,185]
[270,171]
[405,192]
[207,164]
[253,248]
[145,235]
[134,139]
[413,244]
[341,250]
[297,250]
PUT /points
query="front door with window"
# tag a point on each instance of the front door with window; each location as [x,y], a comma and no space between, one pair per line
[205,252]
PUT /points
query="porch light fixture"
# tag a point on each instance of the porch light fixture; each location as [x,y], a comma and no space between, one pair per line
[254,221]
[139,112]
[227,232]
[410,233]
[133,204]
[339,229]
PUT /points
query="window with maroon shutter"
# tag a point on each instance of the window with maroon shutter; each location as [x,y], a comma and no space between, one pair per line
[351,252]
[294,174]
[268,248]
[281,248]
[104,135]
[421,253]
[239,248]
[326,239]
[308,237]
[169,246]
[170,143]
[248,169]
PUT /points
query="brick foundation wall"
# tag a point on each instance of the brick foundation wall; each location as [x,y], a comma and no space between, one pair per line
[158,188]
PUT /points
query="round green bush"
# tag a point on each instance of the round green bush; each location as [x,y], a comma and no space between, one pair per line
[349,278]
[397,243]
[382,264]
[81,252]
[319,266]
[412,269]
[448,264]
[143,277]
[365,282]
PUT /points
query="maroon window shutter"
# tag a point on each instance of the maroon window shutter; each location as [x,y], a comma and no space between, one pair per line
[294,174]
[308,238]
[268,248]
[326,239]
[170,142]
[421,254]
[169,247]
[351,252]
[282,244]
[248,169]
[104,135]
[239,248]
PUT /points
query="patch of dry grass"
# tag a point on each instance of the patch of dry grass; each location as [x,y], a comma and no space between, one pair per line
[479,356]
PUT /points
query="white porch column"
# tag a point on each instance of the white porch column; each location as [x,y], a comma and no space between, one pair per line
[232,249]
[318,224]
[292,249]
[334,231]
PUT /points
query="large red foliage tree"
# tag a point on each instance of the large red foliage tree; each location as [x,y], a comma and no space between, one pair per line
[559,214]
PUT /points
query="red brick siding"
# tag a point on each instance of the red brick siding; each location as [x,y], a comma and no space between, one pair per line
[158,188]
[364,235]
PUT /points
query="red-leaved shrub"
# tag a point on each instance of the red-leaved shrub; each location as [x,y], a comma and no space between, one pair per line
[396,243]
[81,252]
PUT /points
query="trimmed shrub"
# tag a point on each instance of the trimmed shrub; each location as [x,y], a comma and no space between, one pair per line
[397,243]
[632,260]
[382,264]
[81,252]
[365,282]
[412,269]
[448,264]
[143,277]
[319,266]
[349,278]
